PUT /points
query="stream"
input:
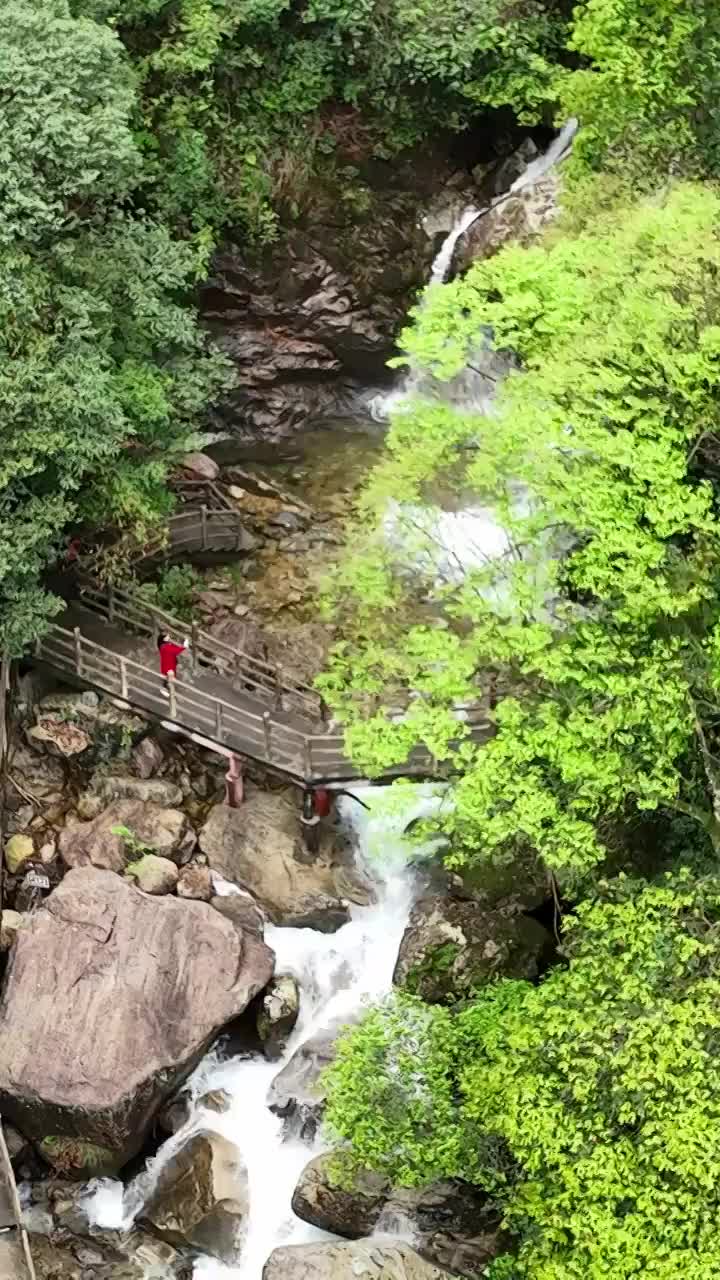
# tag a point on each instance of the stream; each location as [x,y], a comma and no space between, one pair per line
[338,974]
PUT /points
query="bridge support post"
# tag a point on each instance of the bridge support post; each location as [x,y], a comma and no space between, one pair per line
[234,784]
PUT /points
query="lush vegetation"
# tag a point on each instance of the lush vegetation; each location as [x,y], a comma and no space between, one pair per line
[587,621]
[588,1106]
[600,621]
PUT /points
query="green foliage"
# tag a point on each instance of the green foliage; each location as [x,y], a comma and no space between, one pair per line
[589,1106]
[66,149]
[174,592]
[244,104]
[599,623]
[104,374]
[134,849]
[646,93]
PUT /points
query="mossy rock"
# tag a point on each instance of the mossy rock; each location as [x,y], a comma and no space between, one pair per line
[76,1159]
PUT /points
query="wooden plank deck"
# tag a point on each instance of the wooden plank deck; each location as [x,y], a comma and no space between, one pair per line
[101,654]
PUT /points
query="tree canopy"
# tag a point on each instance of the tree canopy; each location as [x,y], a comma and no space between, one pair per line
[104,374]
[588,1107]
[598,625]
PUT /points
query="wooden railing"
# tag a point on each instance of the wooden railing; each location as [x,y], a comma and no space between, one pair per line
[263,736]
[266,680]
[14,1209]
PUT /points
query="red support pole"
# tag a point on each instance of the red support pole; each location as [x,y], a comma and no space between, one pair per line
[234,789]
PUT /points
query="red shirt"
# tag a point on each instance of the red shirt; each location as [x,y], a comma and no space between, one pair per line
[169,654]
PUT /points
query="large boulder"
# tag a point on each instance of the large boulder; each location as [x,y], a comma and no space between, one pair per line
[110,999]
[278,1014]
[320,1199]
[453,1224]
[371,1259]
[166,831]
[451,947]
[120,786]
[259,847]
[201,1197]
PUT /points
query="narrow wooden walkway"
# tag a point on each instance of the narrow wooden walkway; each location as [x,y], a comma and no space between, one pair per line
[231,712]
[15,1257]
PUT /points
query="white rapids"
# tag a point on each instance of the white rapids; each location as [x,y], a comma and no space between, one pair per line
[338,974]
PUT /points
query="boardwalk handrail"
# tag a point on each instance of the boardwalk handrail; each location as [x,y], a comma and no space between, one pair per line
[260,735]
[267,679]
[7,1172]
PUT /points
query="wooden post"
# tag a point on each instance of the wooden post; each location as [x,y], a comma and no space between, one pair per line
[203,527]
[219,720]
[194,646]
[173,696]
[278,689]
[307,758]
[111,603]
[123,679]
[78,650]
[266,727]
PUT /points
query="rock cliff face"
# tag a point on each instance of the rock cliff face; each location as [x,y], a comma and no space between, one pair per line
[316,318]
[110,999]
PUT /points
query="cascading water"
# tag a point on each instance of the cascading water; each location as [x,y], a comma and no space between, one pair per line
[474,388]
[338,974]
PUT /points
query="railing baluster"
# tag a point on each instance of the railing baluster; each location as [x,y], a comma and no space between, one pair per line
[78,651]
[219,719]
[194,646]
[266,727]
[173,696]
[203,527]
[123,679]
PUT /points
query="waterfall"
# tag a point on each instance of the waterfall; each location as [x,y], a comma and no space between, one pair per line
[338,974]
[473,388]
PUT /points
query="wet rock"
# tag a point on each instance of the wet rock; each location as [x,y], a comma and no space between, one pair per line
[195,881]
[147,757]
[451,947]
[153,874]
[43,777]
[166,831]
[78,1260]
[317,317]
[10,922]
[201,1197]
[518,218]
[278,1015]
[242,910]
[216,1100]
[159,977]
[296,1093]
[200,467]
[319,1199]
[258,846]
[19,849]
[167,795]
[453,1224]
[174,1114]
[371,1259]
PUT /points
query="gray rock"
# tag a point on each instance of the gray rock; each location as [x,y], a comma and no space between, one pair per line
[371,1259]
[167,795]
[200,467]
[319,1199]
[296,1093]
[10,922]
[111,999]
[166,831]
[147,757]
[201,1197]
[451,947]
[258,847]
[278,1015]
[242,910]
[153,874]
[195,882]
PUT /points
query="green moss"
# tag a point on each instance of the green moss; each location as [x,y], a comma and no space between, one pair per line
[74,1156]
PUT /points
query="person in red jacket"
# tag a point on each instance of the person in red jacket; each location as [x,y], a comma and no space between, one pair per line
[169,653]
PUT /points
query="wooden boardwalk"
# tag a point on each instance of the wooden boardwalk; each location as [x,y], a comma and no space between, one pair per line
[232,710]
